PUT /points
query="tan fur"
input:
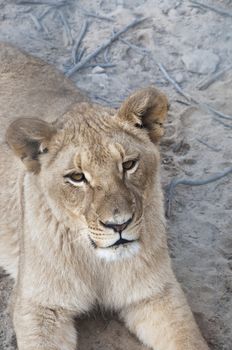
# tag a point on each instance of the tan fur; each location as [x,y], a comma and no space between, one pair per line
[54,237]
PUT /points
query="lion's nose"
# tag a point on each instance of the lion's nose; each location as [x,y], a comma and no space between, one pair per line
[117,227]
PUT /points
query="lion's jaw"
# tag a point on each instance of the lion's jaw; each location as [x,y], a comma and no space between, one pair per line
[125,251]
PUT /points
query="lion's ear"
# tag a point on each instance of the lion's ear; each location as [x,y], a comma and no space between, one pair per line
[147,109]
[28,138]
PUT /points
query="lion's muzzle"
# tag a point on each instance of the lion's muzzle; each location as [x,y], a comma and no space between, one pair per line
[117,227]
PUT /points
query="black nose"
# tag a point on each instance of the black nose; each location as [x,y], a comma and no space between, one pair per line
[117,227]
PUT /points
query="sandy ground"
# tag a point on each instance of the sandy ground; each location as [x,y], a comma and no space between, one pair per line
[196,144]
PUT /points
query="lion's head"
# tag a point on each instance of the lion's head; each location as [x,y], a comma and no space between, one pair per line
[97,166]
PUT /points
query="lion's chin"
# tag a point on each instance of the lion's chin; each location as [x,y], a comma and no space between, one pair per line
[120,252]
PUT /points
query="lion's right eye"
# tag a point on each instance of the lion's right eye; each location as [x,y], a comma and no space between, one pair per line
[129,164]
[75,178]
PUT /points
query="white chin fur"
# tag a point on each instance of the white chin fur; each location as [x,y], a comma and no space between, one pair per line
[119,252]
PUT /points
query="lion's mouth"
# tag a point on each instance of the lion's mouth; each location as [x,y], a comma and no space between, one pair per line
[121,241]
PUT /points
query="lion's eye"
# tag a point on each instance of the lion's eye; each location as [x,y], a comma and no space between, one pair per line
[129,165]
[75,178]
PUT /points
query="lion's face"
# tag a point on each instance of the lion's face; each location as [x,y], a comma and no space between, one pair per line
[102,175]
[98,167]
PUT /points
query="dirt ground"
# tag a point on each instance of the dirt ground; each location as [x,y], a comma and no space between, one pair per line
[192,43]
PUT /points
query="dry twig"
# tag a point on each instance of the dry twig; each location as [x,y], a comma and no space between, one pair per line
[101,48]
[204,84]
[56,3]
[36,22]
[67,28]
[81,53]
[187,182]
[95,15]
[224,124]
[44,13]
[218,113]
[185,103]
[215,149]
[106,55]
[102,65]
[174,83]
[218,10]
[140,50]
[79,40]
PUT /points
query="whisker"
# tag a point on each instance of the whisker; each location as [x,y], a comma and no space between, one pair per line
[99,233]
[76,239]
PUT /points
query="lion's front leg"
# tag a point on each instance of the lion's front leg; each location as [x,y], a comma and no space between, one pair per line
[40,328]
[165,322]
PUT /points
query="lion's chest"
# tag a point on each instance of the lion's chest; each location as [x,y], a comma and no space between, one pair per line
[121,286]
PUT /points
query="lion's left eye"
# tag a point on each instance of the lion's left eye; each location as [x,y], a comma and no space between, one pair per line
[75,178]
[130,164]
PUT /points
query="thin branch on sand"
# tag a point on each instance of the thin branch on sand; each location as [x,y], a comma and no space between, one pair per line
[174,83]
[45,12]
[79,41]
[101,48]
[204,84]
[67,27]
[187,182]
[218,113]
[95,15]
[215,149]
[55,3]
[185,103]
[106,55]
[36,22]
[218,10]
[224,124]
[81,53]
[139,49]
[102,65]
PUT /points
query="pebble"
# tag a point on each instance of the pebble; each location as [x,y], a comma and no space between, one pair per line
[179,77]
[100,80]
[173,14]
[195,11]
[98,70]
[201,61]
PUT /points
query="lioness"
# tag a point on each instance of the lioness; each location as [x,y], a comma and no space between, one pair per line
[82,219]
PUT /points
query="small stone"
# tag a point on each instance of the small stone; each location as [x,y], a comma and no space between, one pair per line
[179,78]
[98,70]
[201,61]
[195,11]
[100,80]
[173,14]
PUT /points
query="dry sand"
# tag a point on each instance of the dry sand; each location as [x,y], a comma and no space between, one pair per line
[199,231]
